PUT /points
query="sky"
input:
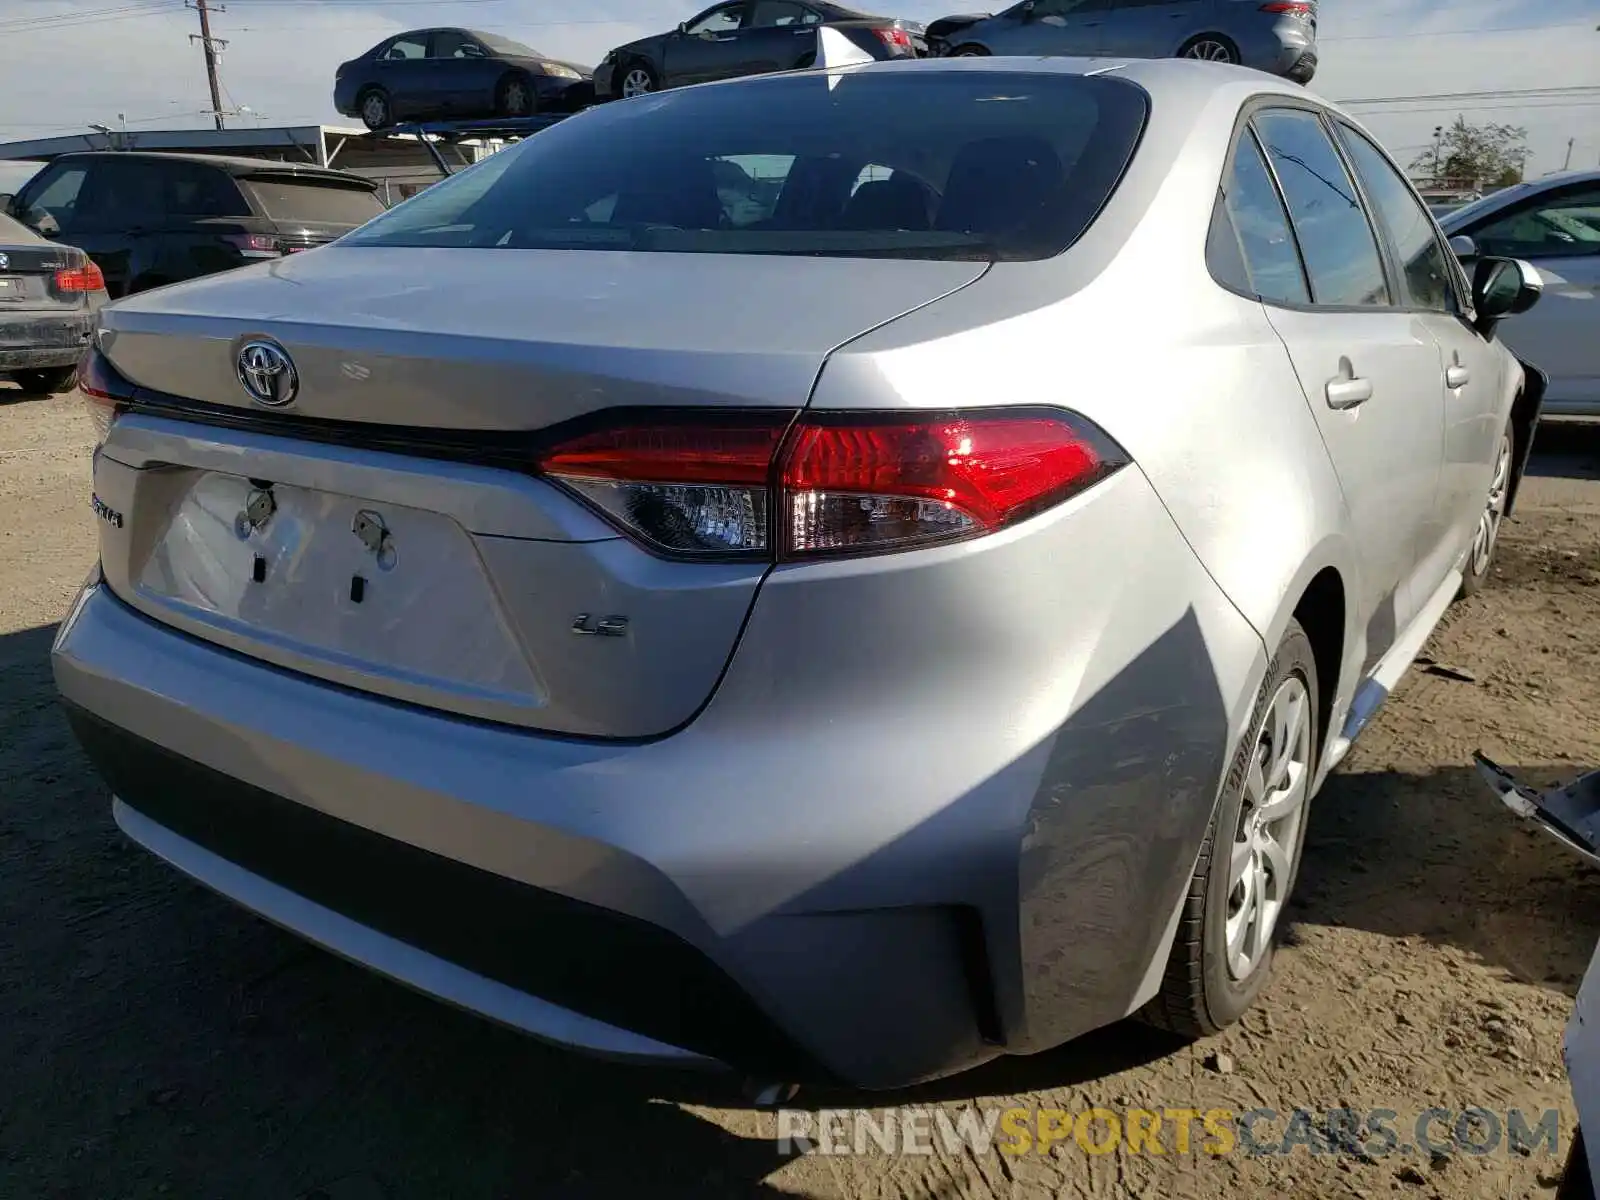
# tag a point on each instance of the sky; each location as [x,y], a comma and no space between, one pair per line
[70,63]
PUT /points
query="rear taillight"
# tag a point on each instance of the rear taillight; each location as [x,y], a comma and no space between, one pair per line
[253,245]
[834,484]
[898,40]
[1291,8]
[104,392]
[86,278]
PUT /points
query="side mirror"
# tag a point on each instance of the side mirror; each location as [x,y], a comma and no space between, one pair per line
[1025,10]
[1501,288]
[5,202]
[1465,248]
[683,28]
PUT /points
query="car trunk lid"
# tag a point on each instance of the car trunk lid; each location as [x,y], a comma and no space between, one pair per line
[357,535]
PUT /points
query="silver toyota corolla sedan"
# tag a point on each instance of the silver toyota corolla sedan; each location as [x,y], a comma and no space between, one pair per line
[842,574]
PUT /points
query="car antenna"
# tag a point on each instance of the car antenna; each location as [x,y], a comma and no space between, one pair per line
[836,50]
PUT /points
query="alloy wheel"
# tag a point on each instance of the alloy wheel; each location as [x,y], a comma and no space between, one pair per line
[1211,50]
[1261,861]
[375,110]
[517,103]
[637,82]
[1494,511]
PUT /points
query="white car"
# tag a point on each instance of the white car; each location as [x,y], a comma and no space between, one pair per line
[1554,223]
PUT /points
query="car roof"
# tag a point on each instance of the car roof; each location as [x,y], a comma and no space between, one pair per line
[233,164]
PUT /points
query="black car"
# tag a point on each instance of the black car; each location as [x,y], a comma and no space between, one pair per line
[49,295]
[455,73]
[747,37]
[150,219]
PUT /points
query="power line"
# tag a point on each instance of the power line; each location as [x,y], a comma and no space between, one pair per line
[1502,94]
[1438,33]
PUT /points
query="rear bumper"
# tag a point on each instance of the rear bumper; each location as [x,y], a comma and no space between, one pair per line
[35,340]
[922,822]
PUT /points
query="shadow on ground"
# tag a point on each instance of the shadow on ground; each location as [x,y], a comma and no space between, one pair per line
[1566,450]
[1438,856]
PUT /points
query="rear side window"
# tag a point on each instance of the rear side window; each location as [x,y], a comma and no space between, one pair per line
[286,198]
[192,190]
[970,164]
[1252,247]
[1336,241]
[1423,260]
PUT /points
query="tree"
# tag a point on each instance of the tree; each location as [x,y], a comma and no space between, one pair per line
[1476,154]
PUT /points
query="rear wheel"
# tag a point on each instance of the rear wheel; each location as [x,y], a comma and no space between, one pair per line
[1222,955]
[46,381]
[516,97]
[969,52]
[1212,47]
[1487,538]
[638,79]
[376,112]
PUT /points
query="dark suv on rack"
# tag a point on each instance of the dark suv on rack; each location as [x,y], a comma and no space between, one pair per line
[150,219]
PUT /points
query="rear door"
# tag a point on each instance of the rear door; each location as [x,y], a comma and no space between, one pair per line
[1067,27]
[402,69]
[1558,231]
[707,48]
[1473,369]
[1151,28]
[463,74]
[777,35]
[1371,372]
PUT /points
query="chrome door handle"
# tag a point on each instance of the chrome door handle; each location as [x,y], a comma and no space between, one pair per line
[1347,391]
[1457,376]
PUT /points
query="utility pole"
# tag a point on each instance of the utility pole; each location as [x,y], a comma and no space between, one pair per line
[211,46]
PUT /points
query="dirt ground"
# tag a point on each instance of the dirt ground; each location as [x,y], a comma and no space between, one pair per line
[155,1041]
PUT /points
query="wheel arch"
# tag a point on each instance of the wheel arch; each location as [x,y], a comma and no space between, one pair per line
[1525,410]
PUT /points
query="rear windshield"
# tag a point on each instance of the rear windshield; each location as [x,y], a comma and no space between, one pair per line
[313,200]
[897,164]
[500,45]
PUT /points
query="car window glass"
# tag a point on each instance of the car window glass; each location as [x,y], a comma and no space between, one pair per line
[123,195]
[57,198]
[407,46]
[1062,8]
[1566,225]
[448,43]
[1339,246]
[1423,259]
[978,164]
[196,191]
[719,20]
[769,13]
[1121,4]
[1251,213]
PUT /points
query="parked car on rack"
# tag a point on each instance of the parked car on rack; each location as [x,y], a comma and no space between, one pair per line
[49,295]
[150,219]
[1553,223]
[851,617]
[449,73]
[747,37]
[1277,36]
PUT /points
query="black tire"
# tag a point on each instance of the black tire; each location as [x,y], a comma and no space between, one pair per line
[46,381]
[1199,995]
[645,72]
[971,51]
[516,97]
[1480,559]
[1223,43]
[375,109]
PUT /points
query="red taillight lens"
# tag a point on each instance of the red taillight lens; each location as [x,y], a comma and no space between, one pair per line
[685,487]
[103,390]
[896,39]
[837,484]
[1296,8]
[86,278]
[851,485]
[253,245]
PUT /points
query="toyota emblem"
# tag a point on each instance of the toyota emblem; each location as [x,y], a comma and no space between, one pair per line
[267,373]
